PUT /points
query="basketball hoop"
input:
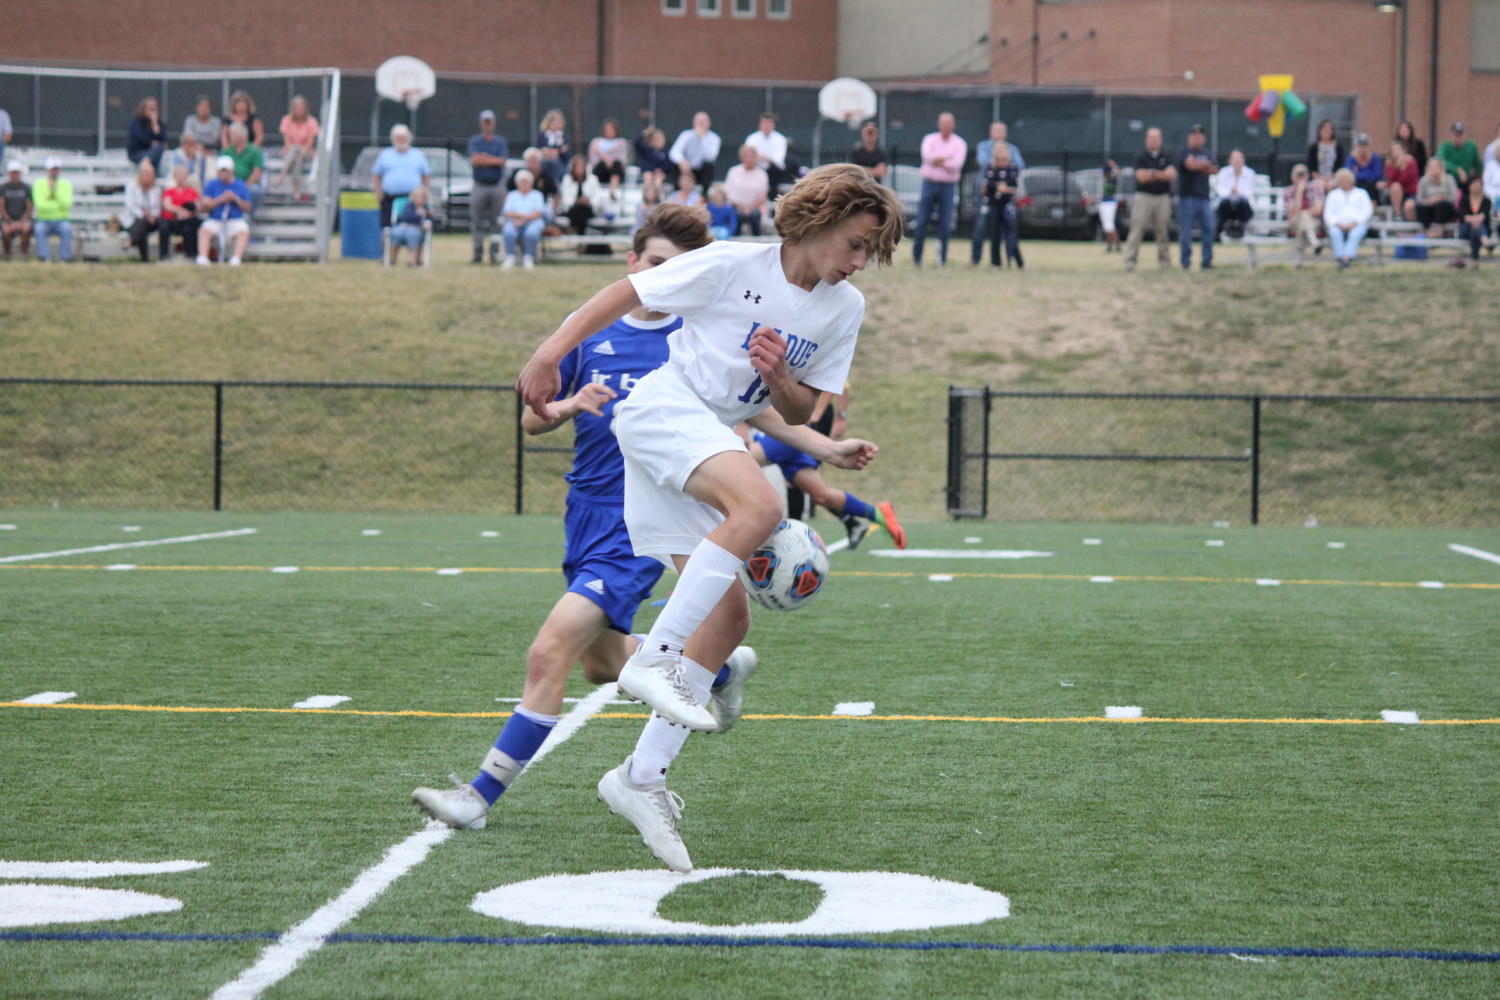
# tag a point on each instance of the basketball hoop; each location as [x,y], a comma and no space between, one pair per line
[412,97]
[847,100]
[406,79]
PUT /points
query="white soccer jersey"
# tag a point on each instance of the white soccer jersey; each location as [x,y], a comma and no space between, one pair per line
[723,292]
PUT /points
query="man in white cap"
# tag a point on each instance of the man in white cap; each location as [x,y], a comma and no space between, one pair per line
[226,199]
[52,200]
[487,154]
[15,208]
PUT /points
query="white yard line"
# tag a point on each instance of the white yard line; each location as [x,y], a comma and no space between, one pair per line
[279,959]
[1476,553]
[129,545]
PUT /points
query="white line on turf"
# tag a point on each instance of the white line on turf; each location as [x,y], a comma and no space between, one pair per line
[1267,581]
[1122,711]
[958,553]
[941,577]
[278,960]
[854,708]
[1476,553]
[570,701]
[1335,545]
[286,569]
[1215,543]
[1394,715]
[7,527]
[130,545]
[49,697]
[120,567]
[322,701]
[93,869]
[1430,584]
[1101,579]
[838,546]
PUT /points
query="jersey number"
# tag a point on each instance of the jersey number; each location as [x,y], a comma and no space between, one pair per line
[755,393]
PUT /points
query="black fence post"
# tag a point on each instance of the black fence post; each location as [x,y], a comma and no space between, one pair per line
[520,456]
[218,446]
[1255,460]
[984,475]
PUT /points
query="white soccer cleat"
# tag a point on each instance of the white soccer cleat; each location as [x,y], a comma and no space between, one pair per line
[726,702]
[653,810]
[528,262]
[510,262]
[655,678]
[461,808]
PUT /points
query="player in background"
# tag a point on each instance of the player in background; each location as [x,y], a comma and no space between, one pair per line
[765,325]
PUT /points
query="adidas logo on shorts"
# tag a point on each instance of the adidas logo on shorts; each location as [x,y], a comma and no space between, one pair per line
[597,586]
[604,348]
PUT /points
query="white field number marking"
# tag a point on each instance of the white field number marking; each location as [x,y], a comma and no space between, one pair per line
[130,545]
[45,698]
[322,701]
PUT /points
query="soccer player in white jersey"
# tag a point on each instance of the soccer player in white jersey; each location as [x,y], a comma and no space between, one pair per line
[764,325]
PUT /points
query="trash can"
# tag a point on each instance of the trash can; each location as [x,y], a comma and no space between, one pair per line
[359,224]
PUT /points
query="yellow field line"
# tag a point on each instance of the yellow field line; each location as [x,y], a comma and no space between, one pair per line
[855,572]
[1025,720]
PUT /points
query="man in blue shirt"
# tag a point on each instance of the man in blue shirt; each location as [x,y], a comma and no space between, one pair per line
[399,170]
[487,154]
[226,199]
[1195,165]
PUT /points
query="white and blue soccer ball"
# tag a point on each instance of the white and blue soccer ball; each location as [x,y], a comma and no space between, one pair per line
[788,569]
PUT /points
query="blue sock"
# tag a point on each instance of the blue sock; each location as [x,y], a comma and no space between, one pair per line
[722,679]
[517,743]
[854,505]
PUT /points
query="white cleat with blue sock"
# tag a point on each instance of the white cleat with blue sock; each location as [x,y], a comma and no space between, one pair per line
[461,807]
[727,700]
[653,810]
[655,677]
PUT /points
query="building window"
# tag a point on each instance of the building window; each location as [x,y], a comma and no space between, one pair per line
[674,8]
[709,8]
[744,8]
[779,9]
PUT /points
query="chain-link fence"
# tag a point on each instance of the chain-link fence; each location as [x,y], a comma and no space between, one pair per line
[1279,459]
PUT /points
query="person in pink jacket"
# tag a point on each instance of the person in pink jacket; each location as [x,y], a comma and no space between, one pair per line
[943,155]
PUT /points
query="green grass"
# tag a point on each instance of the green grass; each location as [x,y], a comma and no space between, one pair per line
[1243,835]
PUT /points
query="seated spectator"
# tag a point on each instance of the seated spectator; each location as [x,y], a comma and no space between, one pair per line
[525,215]
[1491,181]
[411,227]
[867,153]
[748,188]
[249,163]
[142,215]
[651,154]
[1236,185]
[52,200]
[532,160]
[399,170]
[1367,166]
[1326,154]
[687,190]
[1406,134]
[204,125]
[1474,219]
[723,220]
[580,195]
[1437,197]
[697,149]
[146,140]
[1399,188]
[242,110]
[1460,157]
[15,208]
[1002,179]
[299,132]
[226,200]
[552,140]
[179,212]
[189,155]
[1346,215]
[6,130]
[770,151]
[1303,201]
[650,201]
[607,155]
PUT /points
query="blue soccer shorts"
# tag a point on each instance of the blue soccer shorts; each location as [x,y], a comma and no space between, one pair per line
[784,456]
[600,564]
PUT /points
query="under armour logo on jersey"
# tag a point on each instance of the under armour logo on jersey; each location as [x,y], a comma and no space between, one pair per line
[597,586]
[749,294]
[604,347]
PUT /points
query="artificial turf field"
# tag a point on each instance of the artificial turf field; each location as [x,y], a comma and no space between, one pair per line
[1260,832]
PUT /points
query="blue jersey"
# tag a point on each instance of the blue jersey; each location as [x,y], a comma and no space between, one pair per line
[618,356]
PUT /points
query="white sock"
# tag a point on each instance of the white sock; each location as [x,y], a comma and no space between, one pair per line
[705,578]
[661,741]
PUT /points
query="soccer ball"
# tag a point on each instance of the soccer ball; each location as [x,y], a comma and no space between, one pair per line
[788,569]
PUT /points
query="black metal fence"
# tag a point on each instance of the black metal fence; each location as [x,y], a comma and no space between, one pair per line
[1282,459]
[264,445]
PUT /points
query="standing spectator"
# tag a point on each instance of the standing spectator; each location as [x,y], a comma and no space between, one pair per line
[146,140]
[1346,216]
[6,130]
[525,216]
[723,220]
[1109,204]
[697,149]
[1002,179]
[868,153]
[943,155]
[52,199]
[687,190]
[1236,185]
[488,152]
[190,155]
[142,215]
[552,140]
[1460,156]
[179,212]
[1491,152]
[226,199]
[650,202]
[15,208]
[651,154]
[299,133]
[607,155]
[204,125]
[399,170]
[1437,197]
[1195,165]
[1326,154]
[249,162]
[984,158]
[580,195]
[1303,201]
[1399,188]
[770,151]
[410,227]
[1152,203]
[1492,181]
[242,110]
[1367,166]
[1474,219]
[1406,134]
[748,188]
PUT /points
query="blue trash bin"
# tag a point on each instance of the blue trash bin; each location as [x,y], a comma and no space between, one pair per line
[359,224]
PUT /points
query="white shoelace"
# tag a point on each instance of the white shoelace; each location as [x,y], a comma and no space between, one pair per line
[678,682]
[669,804]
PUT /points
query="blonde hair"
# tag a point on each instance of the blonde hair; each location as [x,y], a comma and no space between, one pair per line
[554,113]
[834,193]
[242,95]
